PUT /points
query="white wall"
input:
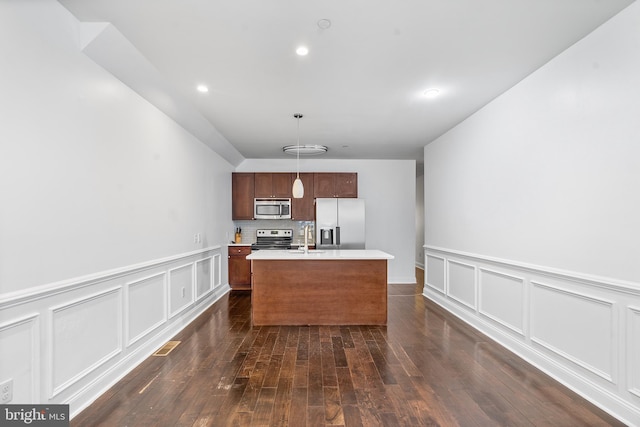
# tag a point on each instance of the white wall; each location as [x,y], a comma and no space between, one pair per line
[419,221]
[101,195]
[531,212]
[388,187]
[92,177]
[548,173]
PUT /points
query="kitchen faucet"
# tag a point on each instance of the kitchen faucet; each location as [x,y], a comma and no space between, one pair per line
[306,239]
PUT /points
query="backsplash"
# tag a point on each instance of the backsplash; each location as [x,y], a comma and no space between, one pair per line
[249,229]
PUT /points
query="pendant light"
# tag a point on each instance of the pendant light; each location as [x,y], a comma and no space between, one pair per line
[298,188]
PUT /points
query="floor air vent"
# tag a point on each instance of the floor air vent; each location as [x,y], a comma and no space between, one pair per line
[166,349]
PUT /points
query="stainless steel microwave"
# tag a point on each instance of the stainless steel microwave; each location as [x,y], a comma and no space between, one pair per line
[272,208]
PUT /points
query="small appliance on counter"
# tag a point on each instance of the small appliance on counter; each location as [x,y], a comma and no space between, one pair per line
[274,239]
[340,223]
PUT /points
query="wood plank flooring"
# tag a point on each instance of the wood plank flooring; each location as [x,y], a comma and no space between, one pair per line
[425,368]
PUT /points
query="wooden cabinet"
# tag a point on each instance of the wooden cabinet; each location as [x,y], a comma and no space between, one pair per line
[335,184]
[242,190]
[304,209]
[239,268]
[273,185]
[247,186]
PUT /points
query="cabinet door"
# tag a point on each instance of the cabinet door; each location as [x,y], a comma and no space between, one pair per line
[304,209]
[336,184]
[242,190]
[269,185]
[324,185]
[239,268]
[263,185]
[346,185]
[282,185]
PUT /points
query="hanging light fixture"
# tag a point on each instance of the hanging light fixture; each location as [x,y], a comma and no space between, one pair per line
[298,188]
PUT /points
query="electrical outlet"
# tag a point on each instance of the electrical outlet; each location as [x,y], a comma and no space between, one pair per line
[6,391]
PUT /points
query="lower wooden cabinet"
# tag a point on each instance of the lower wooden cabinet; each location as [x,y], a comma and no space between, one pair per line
[239,268]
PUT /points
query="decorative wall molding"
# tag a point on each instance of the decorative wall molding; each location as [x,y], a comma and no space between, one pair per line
[204,277]
[633,350]
[454,289]
[586,279]
[606,341]
[89,332]
[76,326]
[509,304]
[440,274]
[132,309]
[582,330]
[23,336]
[216,273]
[181,297]
[21,297]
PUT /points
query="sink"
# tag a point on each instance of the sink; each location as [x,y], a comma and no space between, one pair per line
[311,251]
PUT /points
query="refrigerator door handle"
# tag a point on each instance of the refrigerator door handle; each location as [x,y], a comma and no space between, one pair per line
[337,235]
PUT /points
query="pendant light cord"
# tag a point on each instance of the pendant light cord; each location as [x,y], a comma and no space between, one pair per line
[298,150]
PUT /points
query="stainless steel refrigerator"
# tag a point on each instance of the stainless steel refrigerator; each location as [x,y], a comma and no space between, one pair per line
[340,224]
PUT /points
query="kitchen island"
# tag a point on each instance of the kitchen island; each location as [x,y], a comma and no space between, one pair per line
[321,287]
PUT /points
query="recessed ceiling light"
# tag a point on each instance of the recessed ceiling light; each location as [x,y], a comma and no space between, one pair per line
[202,89]
[431,93]
[302,51]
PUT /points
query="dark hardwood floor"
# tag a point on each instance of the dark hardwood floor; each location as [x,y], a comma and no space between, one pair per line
[425,368]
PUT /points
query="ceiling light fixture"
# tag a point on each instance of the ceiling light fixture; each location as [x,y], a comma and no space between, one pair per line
[431,93]
[302,50]
[305,150]
[202,89]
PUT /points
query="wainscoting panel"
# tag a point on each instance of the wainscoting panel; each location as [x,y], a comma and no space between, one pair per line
[435,274]
[582,330]
[502,299]
[68,342]
[20,356]
[633,354]
[180,288]
[461,283]
[216,274]
[85,334]
[146,306]
[588,343]
[204,277]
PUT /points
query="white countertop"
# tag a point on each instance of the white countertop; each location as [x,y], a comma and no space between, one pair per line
[322,254]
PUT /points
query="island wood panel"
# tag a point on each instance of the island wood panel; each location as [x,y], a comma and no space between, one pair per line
[319,292]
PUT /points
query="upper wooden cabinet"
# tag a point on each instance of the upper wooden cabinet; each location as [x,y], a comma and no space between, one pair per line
[247,186]
[273,185]
[242,190]
[335,185]
[304,209]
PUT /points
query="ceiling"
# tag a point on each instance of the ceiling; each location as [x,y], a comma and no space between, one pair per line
[360,88]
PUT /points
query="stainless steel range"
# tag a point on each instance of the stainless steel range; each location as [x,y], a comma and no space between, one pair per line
[273,239]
